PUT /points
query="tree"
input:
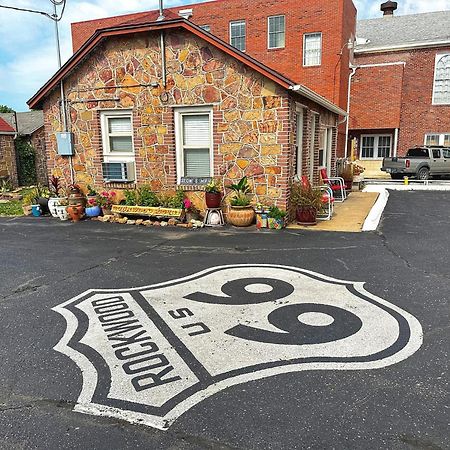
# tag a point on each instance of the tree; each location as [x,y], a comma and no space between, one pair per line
[5,109]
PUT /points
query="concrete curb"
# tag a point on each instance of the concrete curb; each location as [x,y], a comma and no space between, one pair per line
[373,218]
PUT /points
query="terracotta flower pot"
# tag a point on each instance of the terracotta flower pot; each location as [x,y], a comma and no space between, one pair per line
[75,212]
[306,215]
[241,216]
[213,199]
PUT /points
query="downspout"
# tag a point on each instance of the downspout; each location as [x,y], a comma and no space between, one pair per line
[352,73]
[163,46]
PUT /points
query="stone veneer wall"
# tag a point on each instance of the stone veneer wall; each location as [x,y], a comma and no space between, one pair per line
[37,140]
[252,117]
[8,164]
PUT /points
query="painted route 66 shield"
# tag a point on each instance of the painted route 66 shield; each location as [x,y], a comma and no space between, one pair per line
[149,354]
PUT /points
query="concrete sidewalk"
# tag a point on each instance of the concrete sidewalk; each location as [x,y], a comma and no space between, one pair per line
[348,216]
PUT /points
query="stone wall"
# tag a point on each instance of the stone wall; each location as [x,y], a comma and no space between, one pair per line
[8,165]
[37,140]
[252,118]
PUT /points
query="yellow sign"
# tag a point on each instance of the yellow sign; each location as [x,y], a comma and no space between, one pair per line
[158,211]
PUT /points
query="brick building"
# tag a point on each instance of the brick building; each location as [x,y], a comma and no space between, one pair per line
[8,165]
[204,109]
[400,90]
[306,42]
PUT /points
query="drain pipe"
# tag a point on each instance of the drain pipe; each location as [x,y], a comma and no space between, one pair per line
[352,73]
[162,45]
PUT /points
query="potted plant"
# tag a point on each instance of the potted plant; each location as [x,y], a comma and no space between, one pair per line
[105,200]
[213,195]
[241,213]
[42,195]
[92,208]
[190,211]
[76,196]
[53,201]
[27,201]
[91,193]
[307,201]
[275,218]
[61,209]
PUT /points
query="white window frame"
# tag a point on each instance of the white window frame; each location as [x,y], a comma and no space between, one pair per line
[437,59]
[441,137]
[304,49]
[192,111]
[245,33]
[108,155]
[375,146]
[275,32]
[206,28]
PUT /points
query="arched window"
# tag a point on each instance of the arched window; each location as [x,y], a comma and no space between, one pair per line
[441,94]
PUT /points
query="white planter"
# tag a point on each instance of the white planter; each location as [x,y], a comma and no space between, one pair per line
[53,202]
[62,212]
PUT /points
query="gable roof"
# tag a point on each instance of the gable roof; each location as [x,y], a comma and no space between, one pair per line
[101,34]
[5,127]
[27,122]
[397,32]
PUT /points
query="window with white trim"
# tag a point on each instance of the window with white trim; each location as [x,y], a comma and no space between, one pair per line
[312,49]
[193,132]
[376,146]
[276,31]
[205,27]
[438,139]
[237,34]
[117,135]
[441,89]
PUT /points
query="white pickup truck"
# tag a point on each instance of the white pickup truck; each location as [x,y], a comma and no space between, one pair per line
[420,162]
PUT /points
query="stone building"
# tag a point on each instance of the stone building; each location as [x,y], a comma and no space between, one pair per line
[204,109]
[400,90]
[8,165]
[30,127]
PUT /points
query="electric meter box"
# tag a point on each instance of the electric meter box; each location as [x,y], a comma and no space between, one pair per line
[65,144]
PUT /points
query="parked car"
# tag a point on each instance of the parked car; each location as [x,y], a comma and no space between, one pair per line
[420,162]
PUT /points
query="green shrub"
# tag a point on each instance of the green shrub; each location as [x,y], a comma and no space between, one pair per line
[146,197]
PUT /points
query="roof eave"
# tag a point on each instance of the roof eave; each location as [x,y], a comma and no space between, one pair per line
[396,48]
[36,101]
[311,95]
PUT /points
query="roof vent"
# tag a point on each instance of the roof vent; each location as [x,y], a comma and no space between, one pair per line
[388,8]
[185,13]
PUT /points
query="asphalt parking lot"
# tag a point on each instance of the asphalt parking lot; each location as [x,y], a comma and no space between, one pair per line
[335,394]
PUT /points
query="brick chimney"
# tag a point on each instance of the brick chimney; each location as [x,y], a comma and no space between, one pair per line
[388,8]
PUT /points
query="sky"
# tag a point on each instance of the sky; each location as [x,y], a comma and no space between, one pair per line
[27,41]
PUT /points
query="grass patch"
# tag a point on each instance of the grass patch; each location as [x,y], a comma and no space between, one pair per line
[12,208]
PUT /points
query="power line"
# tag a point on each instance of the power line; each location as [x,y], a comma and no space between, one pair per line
[54,17]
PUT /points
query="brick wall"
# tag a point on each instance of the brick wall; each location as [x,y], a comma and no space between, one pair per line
[376,97]
[8,165]
[336,19]
[373,107]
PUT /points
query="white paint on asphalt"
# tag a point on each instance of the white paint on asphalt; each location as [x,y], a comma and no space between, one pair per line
[149,354]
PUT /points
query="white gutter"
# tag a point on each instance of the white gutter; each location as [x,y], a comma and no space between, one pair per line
[347,124]
[394,48]
[308,93]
